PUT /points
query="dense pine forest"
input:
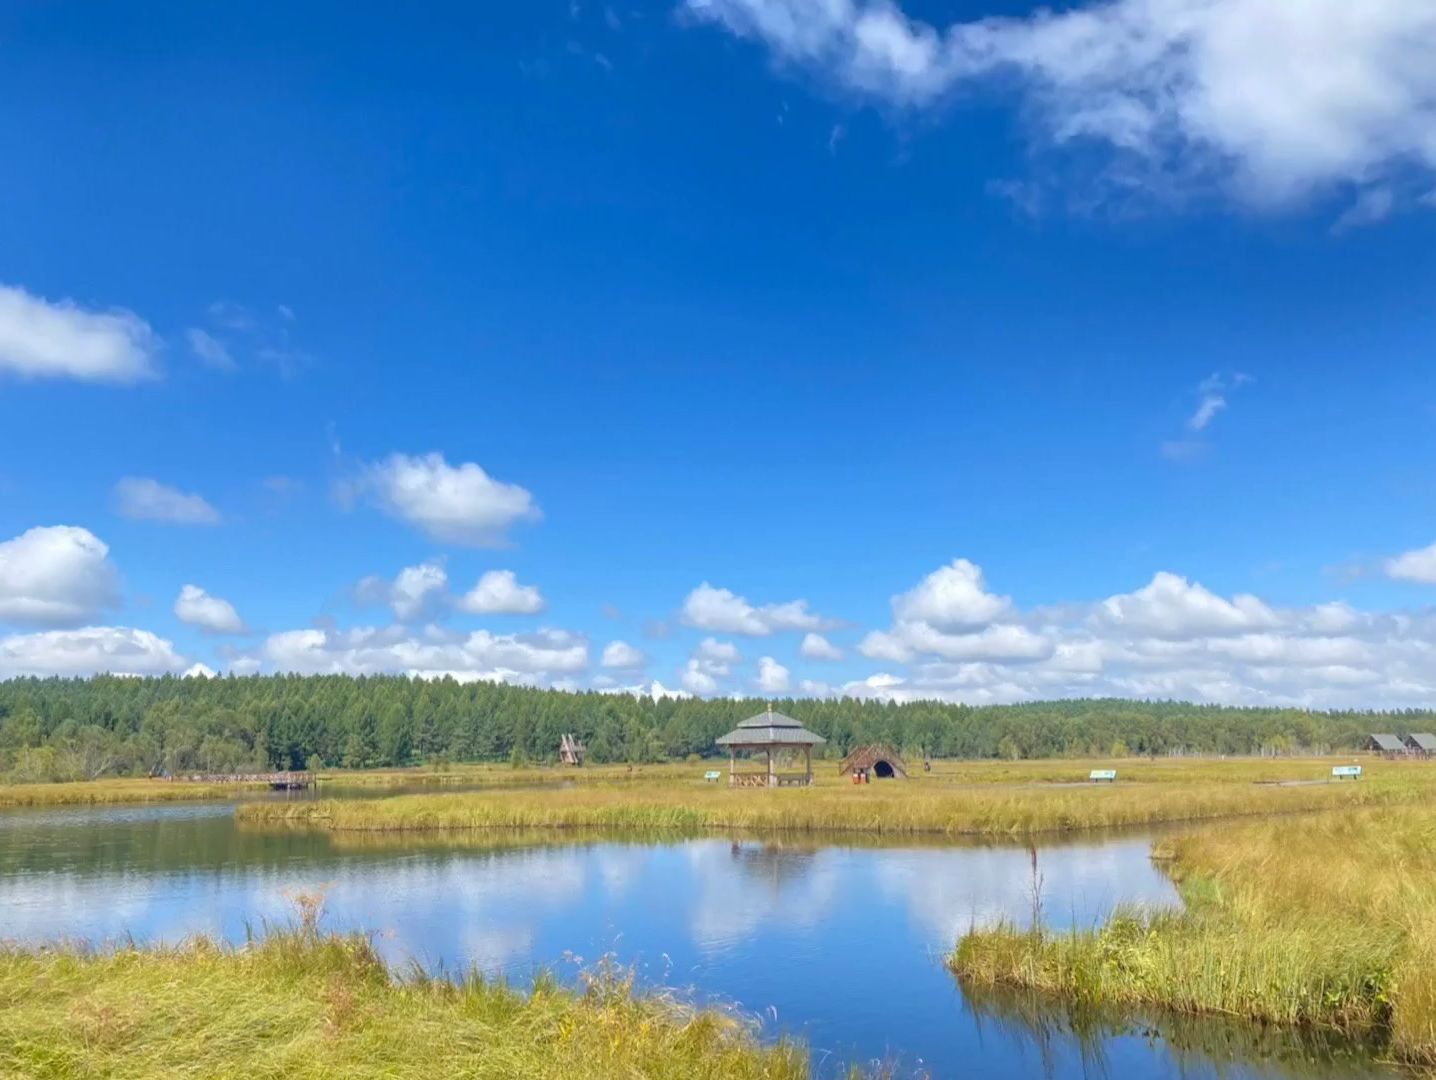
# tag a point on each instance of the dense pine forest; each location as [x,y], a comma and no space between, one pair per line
[85,728]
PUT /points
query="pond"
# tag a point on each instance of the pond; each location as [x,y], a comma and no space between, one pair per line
[840,945]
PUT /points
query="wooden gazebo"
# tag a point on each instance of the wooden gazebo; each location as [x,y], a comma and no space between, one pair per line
[770,733]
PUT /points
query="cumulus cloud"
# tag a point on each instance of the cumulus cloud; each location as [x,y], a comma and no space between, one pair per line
[1418,565]
[953,597]
[197,608]
[1172,607]
[620,654]
[455,504]
[199,671]
[817,647]
[710,661]
[1180,94]
[143,499]
[40,339]
[54,576]
[1171,638]
[498,592]
[773,677]
[92,650]
[536,659]
[720,610]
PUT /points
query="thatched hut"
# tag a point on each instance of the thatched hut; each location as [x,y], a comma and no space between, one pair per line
[881,761]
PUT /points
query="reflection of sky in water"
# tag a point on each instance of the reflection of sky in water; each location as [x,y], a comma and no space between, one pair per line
[839,944]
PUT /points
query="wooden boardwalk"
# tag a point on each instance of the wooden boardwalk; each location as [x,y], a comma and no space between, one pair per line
[278,781]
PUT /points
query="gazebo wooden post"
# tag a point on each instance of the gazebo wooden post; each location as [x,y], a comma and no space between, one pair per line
[732,766]
[772,771]
[808,762]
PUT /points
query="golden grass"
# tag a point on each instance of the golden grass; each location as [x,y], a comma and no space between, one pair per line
[1329,922]
[305,1006]
[888,809]
[116,792]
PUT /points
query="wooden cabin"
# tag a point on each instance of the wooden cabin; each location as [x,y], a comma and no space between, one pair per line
[882,762]
[570,751]
[1388,746]
[1421,745]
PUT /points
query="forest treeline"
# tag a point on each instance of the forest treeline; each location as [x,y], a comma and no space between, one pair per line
[86,728]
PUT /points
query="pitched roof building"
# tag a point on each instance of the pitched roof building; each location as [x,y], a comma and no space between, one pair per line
[770,733]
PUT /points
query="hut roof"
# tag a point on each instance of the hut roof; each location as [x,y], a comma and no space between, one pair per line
[1426,743]
[770,729]
[1389,744]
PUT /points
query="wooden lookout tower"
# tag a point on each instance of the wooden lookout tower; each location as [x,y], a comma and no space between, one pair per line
[570,751]
[882,762]
[771,734]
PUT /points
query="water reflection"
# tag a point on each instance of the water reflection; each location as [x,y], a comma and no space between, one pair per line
[840,945]
[1065,1039]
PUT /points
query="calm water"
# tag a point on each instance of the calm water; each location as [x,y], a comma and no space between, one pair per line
[840,945]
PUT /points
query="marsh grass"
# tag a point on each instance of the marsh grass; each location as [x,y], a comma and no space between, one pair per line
[303,1005]
[893,809]
[117,792]
[1326,921]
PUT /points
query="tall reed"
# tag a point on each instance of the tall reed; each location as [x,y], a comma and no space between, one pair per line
[305,1006]
[1326,921]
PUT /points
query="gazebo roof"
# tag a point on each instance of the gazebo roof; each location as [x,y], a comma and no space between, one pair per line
[770,729]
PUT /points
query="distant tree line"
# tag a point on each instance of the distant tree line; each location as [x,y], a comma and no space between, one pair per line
[87,728]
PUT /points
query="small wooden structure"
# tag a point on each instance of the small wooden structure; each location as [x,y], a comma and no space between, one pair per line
[882,761]
[571,751]
[770,733]
[1388,746]
[1422,745]
[279,781]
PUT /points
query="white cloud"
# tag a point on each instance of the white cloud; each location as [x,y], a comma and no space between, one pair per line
[1418,565]
[708,608]
[143,499]
[620,654]
[1271,100]
[499,593]
[714,651]
[200,671]
[773,677]
[209,350]
[817,647]
[1173,638]
[953,597]
[696,680]
[1173,607]
[530,659]
[55,575]
[455,504]
[814,688]
[195,607]
[89,651]
[1212,403]
[39,339]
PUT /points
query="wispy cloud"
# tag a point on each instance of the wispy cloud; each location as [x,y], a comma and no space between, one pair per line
[1213,398]
[1172,95]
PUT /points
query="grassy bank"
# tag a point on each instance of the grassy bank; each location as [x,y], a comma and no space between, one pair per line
[301,1005]
[892,809]
[1329,924]
[116,792]
[688,775]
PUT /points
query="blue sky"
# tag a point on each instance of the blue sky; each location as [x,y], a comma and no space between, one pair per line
[1035,355]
